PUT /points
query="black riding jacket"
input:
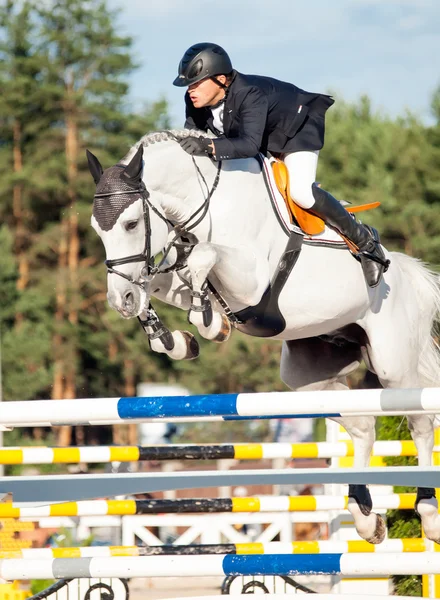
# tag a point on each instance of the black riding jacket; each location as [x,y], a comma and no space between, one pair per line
[264,114]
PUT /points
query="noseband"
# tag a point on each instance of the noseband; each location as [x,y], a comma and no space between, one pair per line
[182,233]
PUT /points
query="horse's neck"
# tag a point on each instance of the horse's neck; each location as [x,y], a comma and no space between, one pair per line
[171,177]
[179,191]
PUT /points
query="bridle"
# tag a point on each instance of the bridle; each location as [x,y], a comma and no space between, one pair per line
[182,232]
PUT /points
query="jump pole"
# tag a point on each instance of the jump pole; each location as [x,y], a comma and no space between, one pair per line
[43,455]
[218,407]
[412,563]
[260,504]
[64,488]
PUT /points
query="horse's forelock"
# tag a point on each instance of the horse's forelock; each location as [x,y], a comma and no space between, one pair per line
[108,209]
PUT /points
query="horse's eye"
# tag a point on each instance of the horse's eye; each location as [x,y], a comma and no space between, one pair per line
[131,225]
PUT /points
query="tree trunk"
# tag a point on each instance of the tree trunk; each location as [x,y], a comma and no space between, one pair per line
[63,433]
[72,250]
[18,213]
[74,244]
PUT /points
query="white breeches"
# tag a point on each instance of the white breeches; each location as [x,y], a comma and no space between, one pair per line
[302,173]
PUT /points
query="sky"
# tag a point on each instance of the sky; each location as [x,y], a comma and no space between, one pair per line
[387,49]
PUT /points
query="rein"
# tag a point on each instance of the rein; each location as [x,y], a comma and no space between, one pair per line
[150,269]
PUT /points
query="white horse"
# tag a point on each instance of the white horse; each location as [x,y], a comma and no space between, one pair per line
[215,230]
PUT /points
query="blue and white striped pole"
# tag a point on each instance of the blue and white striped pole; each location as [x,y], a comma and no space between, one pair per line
[421,563]
[218,407]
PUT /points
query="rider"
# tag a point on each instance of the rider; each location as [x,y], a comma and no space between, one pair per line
[251,114]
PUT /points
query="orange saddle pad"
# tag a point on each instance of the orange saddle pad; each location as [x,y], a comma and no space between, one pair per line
[309,223]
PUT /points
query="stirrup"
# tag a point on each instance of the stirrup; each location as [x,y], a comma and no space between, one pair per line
[385,262]
[378,256]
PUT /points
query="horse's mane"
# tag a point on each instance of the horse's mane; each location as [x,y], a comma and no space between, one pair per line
[165,135]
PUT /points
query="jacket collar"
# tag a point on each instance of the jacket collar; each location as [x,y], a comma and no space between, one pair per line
[228,104]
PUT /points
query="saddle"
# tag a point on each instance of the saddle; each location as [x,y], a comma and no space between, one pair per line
[308,222]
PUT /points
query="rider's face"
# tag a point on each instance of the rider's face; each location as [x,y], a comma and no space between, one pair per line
[206,92]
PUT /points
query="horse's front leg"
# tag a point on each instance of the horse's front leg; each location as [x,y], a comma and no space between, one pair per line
[237,272]
[422,432]
[178,345]
[369,525]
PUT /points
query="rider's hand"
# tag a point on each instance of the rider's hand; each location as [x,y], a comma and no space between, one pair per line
[197,146]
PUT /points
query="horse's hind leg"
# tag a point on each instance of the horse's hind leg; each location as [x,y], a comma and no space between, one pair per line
[369,525]
[301,370]
[403,358]
[422,432]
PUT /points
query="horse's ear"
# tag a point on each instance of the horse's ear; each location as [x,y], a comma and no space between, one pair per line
[94,167]
[133,170]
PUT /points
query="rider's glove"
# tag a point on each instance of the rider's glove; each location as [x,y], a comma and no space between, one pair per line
[198,146]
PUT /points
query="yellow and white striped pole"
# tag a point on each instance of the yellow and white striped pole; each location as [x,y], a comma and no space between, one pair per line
[91,508]
[42,455]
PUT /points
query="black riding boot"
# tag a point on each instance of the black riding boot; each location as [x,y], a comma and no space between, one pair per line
[371,255]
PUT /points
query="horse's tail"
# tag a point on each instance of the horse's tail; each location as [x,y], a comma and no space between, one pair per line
[426,284]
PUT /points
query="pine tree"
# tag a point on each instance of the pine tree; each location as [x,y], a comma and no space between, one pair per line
[79,101]
[25,333]
[85,61]
[22,97]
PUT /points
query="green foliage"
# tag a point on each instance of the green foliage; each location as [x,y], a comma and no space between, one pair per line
[435,104]
[407,585]
[8,277]
[319,430]
[40,585]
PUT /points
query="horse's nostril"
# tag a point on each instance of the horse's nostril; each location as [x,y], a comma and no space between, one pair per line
[128,300]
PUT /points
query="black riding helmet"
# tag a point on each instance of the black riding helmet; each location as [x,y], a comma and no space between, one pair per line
[201,61]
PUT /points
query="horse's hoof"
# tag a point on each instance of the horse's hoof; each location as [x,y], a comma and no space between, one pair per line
[427,509]
[436,541]
[192,346]
[380,531]
[225,331]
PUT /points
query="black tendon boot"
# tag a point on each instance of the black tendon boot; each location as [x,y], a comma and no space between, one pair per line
[371,255]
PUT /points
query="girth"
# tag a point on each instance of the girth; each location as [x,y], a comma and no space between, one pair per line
[265,318]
